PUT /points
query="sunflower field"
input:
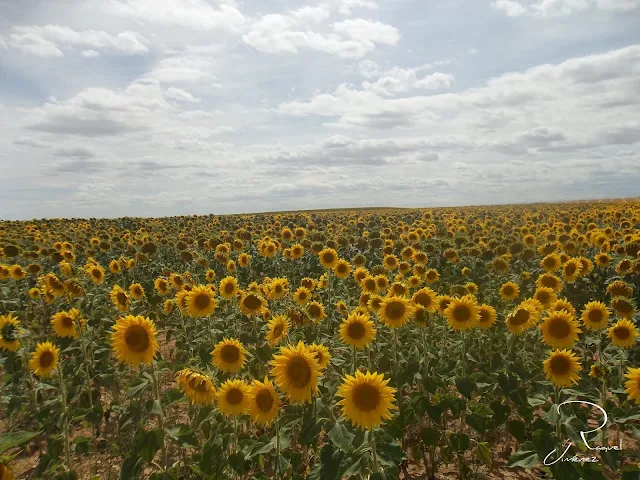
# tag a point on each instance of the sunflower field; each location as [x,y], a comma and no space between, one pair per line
[474,343]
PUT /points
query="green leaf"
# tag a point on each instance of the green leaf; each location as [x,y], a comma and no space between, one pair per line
[500,412]
[15,439]
[478,423]
[523,459]
[466,386]
[131,466]
[137,388]
[459,442]
[237,463]
[341,437]
[183,435]
[483,452]
[430,436]
[390,454]
[517,429]
[148,443]
[350,465]
[213,461]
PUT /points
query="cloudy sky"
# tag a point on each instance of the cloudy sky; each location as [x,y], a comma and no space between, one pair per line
[166,107]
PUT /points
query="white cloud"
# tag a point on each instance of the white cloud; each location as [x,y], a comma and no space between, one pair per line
[347,6]
[179,95]
[90,53]
[555,8]
[510,8]
[472,51]
[35,44]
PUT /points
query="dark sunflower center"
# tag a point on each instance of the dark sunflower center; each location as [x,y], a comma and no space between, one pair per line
[483,316]
[549,282]
[252,302]
[370,284]
[399,289]
[461,313]
[559,328]
[366,397]
[314,311]
[395,310]
[198,384]
[319,357]
[595,316]
[299,372]
[356,330]
[422,299]
[328,257]
[137,338]
[230,354]
[9,332]
[202,301]
[549,262]
[520,318]
[46,359]
[229,288]
[570,269]
[560,365]
[67,322]
[622,306]
[122,298]
[264,400]
[508,290]
[96,273]
[621,333]
[277,330]
[235,396]
[342,268]
[543,297]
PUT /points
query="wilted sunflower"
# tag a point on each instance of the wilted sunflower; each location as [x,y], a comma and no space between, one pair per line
[162,286]
[486,316]
[44,359]
[229,355]
[618,288]
[357,330]
[228,287]
[509,291]
[277,329]
[623,334]
[68,323]
[296,372]
[595,315]
[328,258]
[632,386]
[623,307]
[263,402]
[315,311]
[197,387]
[119,298]
[562,367]
[560,329]
[233,397]
[522,318]
[395,312]
[462,313]
[321,354]
[426,298]
[367,400]
[9,332]
[134,340]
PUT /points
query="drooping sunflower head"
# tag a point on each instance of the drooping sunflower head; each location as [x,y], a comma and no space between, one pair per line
[462,313]
[560,329]
[296,372]
[426,298]
[197,387]
[619,288]
[562,367]
[562,304]
[321,354]
[229,355]
[328,257]
[9,333]
[228,287]
[277,329]
[395,312]
[623,334]
[44,359]
[486,316]
[357,330]
[367,400]
[595,315]
[263,402]
[509,291]
[624,307]
[134,340]
[233,397]
[119,298]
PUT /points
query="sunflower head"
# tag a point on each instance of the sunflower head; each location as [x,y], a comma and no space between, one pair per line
[321,354]
[197,387]
[367,400]
[632,386]
[263,402]
[522,318]
[426,298]
[200,301]
[395,311]
[68,323]
[315,311]
[595,315]
[357,330]
[486,316]
[562,367]
[623,334]
[134,340]
[44,359]
[228,287]
[233,397]
[560,329]
[296,372]
[229,355]
[462,313]
[252,304]
[9,333]
[624,307]
[328,257]
[509,291]
[277,329]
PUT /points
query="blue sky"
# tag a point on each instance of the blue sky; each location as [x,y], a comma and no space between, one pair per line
[167,107]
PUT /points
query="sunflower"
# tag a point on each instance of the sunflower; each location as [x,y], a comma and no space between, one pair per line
[426,298]
[134,340]
[228,287]
[443,302]
[233,397]
[114,266]
[560,329]
[181,299]
[398,289]
[321,354]
[34,293]
[509,291]
[550,263]
[277,329]
[167,307]
[263,402]
[342,269]
[562,304]
[252,304]
[44,360]
[68,323]
[278,288]
[462,313]
[136,291]
[571,270]
[229,355]
[522,318]
[328,258]
[382,282]
[549,281]
[162,286]
[367,400]
[357,330]
[96,273]
[9,332]
[200,302]
[369,284]
[210,275]
[619,288]
[296,372]
[197,387]
[390,262]
[486,316]
[16,272]
[360,274]
[603,260]
[632,386]
[562,367]
[374,303]
[623,307]
[546,296]
[623,334]
[395,311]
[315,311]
[119,298]
[595,315]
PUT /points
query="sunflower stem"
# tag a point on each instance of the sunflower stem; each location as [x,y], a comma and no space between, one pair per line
[355,359]
[621,368]
[277,445]
[65,417]
[374,453]
[235,434]
[156,391]
[557,402]
[34,394]
[604,405]
[89,392]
